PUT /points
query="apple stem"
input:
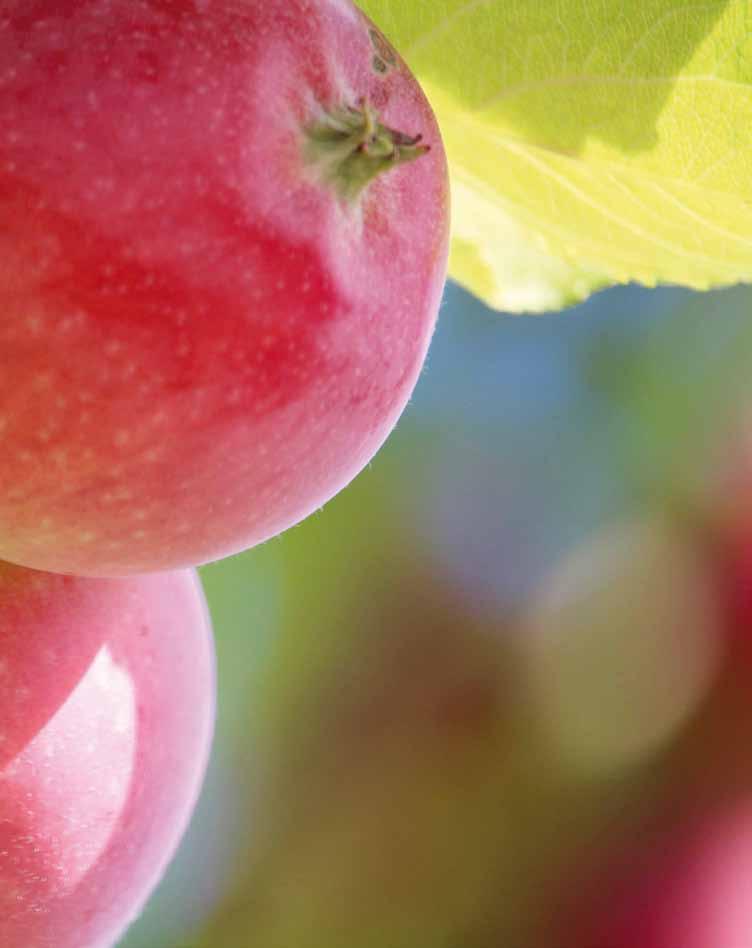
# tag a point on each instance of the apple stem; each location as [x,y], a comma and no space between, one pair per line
[349,148]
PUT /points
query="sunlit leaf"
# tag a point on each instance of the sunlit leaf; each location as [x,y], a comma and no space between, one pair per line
[591,141]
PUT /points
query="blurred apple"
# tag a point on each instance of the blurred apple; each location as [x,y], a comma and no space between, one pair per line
[623,641]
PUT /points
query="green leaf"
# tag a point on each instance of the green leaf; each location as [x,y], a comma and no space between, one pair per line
[590,141]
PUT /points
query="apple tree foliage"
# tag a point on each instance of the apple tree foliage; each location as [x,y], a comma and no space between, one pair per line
[590,143]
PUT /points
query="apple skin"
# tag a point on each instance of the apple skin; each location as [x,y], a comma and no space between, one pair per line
[106,716]
[687,887]
[200,341]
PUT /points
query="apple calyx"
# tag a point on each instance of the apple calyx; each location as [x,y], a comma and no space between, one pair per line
[349,147]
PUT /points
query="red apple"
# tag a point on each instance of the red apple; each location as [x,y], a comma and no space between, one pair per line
[220,266]
[686,888]
[106,713]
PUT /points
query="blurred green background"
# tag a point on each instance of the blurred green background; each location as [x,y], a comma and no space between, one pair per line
[506,669]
